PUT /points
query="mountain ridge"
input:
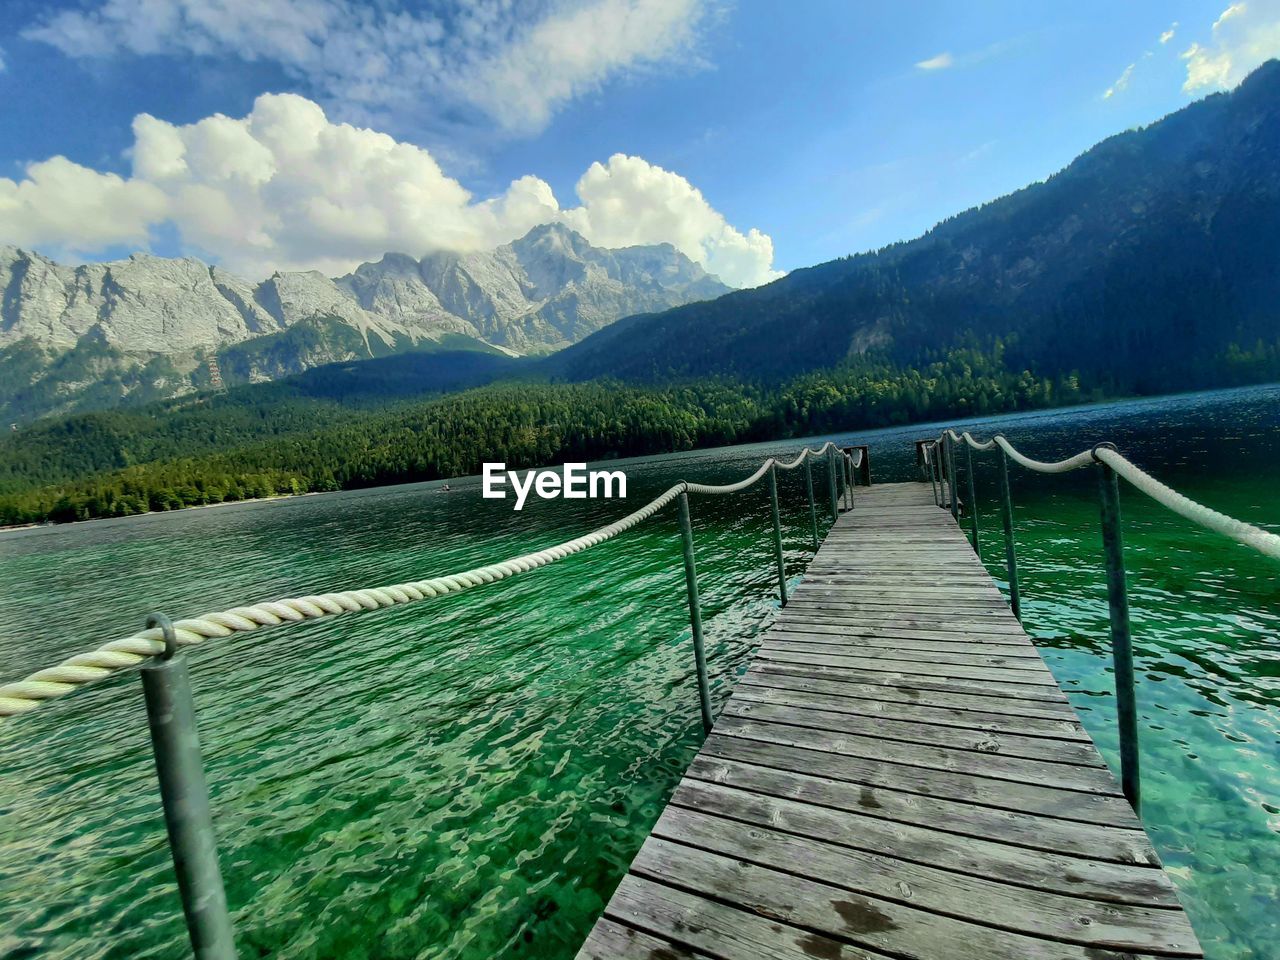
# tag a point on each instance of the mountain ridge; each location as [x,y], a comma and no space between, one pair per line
[146,327]
[1154,247]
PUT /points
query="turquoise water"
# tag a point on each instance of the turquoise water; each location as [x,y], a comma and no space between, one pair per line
[468,777]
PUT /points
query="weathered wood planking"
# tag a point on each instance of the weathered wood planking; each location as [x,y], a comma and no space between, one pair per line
[897,775]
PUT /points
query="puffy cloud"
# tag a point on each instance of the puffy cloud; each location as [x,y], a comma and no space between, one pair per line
[1243,37]
[287,188]
[1168,34]
[940,62]
[63,205]
[517,63]
[630,201]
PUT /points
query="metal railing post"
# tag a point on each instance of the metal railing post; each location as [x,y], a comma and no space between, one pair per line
[185,798]
[831,477]
[951,477]
[813,508]
[929,456]
[1010,556]
[973,498]
[777,534]
[1121,640]
[695,613]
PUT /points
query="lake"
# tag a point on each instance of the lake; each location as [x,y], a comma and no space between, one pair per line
[468,777]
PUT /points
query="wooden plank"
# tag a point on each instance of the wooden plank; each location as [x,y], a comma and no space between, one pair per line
[977,655]
[1123,844]
[845,914]
[1007,744]
[874,687]
[914,676]
[726,932]
[1031,798]
[943,759]
[614,941]
[751,691]
[897,774]
[1034,909]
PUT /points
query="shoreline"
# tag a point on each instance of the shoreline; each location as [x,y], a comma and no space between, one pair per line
[854,433]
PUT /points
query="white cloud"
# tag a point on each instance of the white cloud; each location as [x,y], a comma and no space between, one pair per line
[286,188]
[72,208]
[940,62]
[630,201]
[1121,82]
[564,56]
[517,63]
[1168,34]
[1243,37]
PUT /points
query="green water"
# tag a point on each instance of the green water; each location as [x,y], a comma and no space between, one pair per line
[469,777]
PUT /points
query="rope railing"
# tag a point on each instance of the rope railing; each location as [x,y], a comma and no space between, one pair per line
[171,712]
[1244,533]
[26,695]
[938,460]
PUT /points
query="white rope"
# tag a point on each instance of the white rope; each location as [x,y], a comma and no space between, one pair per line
[26,695]
[1263,541]
[976,444]
[1082,459]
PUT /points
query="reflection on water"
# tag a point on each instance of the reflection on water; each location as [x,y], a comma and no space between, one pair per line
[468,777]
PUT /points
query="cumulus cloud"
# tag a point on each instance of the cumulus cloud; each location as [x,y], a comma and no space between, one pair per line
[1243,37]
[287,188]
[1168,34]
[517,63]
[629,201]
[940,62]
[63,205]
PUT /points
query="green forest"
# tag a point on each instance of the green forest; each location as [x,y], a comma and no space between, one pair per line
[217,449]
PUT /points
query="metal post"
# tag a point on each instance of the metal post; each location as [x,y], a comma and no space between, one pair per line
[1010,557]
[813,509]
[185,798]
[973,498]
[951,476]
[777,534]
[831,478]
[931,455]
[1121,641]
[695,613]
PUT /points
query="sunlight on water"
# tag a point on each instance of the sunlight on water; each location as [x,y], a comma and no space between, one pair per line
[469,777]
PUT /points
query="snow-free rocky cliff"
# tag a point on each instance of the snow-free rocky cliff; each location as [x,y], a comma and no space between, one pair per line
[93,335]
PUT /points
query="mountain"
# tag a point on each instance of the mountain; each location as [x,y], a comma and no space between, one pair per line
[98,335]
[1151,263]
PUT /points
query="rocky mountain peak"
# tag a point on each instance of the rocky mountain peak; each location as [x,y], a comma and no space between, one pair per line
[536,294]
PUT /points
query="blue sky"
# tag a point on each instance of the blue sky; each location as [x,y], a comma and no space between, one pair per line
[757,137]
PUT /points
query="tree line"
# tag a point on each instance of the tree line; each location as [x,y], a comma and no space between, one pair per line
[524,424]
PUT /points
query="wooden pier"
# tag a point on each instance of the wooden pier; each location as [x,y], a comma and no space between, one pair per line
[897,775]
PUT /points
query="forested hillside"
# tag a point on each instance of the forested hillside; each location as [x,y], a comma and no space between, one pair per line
[1149,264]
[116,464]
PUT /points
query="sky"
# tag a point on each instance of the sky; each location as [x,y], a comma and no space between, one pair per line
[755,136]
